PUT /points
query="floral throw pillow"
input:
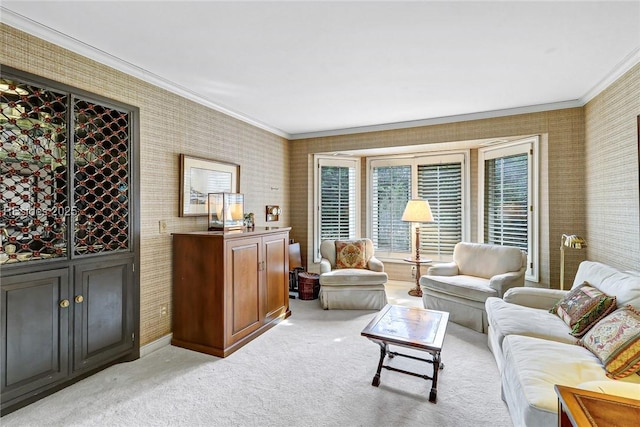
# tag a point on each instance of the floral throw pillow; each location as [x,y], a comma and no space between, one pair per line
[615,340]
[582,307]
[350,254]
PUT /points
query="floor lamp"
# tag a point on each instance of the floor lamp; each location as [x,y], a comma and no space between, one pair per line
[417,211]
[573,242]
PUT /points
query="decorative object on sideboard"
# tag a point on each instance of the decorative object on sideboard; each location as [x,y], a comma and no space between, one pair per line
[417,211]
[273,213]
[250,221]
[225,211]
[569,241]
[199,177]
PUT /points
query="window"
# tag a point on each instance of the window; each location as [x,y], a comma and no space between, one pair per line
[336,200]
[437,178]
[508,184]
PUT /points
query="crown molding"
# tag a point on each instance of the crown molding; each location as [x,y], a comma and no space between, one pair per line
[65,41]
[622,67]
[442,120]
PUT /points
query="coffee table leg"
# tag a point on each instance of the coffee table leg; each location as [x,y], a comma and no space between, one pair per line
[433,395]
[383,352]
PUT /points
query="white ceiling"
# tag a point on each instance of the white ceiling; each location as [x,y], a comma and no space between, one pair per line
[300,68]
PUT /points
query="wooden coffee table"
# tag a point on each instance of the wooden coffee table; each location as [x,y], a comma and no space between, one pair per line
[409,327]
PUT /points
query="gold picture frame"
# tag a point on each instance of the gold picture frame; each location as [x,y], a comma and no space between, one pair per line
[199,177]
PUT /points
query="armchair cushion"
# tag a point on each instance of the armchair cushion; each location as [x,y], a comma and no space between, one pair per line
[350,254]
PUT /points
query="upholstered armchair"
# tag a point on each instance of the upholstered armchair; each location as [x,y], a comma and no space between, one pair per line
[351,277]
[478,271]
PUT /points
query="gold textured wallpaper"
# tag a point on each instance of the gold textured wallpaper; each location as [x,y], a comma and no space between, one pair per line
[588,167]
[169,125]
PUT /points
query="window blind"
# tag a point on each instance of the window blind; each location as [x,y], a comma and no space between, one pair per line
[337,202]
[506,201]
[391,189]
[441,185]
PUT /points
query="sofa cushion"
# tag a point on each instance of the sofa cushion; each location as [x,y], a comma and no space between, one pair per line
[350,254]
[353,276]
[615,340]
[483,260]
[533,366]
[624,285]
[513,319]
[583,307]
[470,287]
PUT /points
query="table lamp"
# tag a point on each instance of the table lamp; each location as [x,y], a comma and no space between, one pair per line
[417,211]
[569,241]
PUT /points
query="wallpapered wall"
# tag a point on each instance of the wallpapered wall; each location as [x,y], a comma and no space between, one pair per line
[561,202]
[169,125]
[611,173]
[586,188]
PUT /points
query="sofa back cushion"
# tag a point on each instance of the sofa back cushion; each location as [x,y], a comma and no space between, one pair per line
[625,286]
[484,260]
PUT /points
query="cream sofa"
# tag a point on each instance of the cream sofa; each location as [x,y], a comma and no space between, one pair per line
[478,271]
[534,350]
[351,288]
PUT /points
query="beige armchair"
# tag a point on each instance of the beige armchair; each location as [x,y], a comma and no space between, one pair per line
[478,271]
[348,288]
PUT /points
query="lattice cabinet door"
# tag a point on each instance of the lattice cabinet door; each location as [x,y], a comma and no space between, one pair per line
[100,178]
[33,173]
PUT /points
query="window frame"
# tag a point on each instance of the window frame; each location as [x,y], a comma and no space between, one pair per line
[461,156]
[530,146]
[339,161]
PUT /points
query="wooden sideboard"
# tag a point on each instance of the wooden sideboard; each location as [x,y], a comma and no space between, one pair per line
[583,408]
[228,287]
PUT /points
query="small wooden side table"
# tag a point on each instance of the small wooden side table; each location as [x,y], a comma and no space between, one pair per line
[417,292]
[579,408]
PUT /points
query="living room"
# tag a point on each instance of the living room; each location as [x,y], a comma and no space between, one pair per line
[589,164]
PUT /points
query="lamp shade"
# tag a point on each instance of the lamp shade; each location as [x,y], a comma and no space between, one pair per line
[417,210]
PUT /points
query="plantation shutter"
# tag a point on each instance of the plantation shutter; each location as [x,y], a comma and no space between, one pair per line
[391,189]
[441,185]
[337,202]
[506,184]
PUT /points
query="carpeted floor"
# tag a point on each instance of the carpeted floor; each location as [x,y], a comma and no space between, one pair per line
[313,369]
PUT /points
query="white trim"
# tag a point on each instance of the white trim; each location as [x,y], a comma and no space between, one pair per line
[36,29]
[622,67]
[161,342]
[442,120]
[530,144]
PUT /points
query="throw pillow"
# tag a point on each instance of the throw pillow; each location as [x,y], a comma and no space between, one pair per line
[350,254]
[582,307]
[615,340]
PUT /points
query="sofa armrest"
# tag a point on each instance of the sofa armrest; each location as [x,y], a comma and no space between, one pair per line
[534,297]
[375,264]
[325,266]
[505,281]
[444,269]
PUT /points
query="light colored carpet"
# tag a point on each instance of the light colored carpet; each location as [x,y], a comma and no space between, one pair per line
[314,369]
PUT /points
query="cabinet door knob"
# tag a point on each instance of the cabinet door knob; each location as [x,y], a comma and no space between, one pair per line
[64,303]
[79,299]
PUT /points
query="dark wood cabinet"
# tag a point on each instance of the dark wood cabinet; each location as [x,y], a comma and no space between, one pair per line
[69,236]
[35,332]
[228,288]
[103,313]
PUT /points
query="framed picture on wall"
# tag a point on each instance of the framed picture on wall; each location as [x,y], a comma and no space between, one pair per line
[199,177]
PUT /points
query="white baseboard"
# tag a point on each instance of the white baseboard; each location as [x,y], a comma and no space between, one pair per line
[155,345]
